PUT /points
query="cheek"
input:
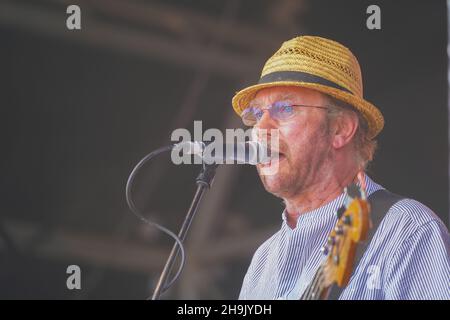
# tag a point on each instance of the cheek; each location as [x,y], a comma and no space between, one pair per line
[303,140]
[291,133]
[294,136]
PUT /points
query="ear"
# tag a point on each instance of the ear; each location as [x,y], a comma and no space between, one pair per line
[344,129]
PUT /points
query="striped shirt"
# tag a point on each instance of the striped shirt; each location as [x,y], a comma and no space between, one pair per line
[408,257]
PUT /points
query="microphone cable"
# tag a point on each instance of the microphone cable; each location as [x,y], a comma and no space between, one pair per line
[141,217]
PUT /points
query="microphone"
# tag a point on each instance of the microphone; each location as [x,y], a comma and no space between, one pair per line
[251,152]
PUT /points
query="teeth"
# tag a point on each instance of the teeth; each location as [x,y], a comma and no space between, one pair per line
[275,152]
[273,156]
[280,155]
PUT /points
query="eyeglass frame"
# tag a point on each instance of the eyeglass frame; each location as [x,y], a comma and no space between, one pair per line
[270,108]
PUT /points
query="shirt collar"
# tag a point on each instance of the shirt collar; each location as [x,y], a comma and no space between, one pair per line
[328,210]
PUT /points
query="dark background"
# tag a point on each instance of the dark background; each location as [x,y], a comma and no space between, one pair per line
[80,108]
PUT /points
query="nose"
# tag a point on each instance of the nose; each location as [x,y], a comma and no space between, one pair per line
[266,122]
[263,129]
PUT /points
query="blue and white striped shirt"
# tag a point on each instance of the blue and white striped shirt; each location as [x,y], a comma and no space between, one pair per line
[408,257]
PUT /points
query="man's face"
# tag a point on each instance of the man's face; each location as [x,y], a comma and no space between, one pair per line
[304,142]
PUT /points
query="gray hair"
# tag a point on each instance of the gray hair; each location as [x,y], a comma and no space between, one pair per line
[363,145]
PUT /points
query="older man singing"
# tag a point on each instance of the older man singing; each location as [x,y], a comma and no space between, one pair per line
[311,92]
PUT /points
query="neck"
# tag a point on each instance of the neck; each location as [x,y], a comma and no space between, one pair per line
[325,189]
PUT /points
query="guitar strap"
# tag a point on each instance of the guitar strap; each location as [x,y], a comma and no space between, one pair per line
[380,203]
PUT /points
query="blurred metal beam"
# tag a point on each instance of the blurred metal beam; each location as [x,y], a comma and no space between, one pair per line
[104,34]
[76,247]
[191,24]
[188,24]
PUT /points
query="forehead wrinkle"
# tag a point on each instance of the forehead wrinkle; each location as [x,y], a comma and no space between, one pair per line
[274,96]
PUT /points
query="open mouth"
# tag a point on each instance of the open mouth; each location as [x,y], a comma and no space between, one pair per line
[275,157]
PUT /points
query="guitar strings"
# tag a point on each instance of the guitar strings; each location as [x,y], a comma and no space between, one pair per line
[312,288]
[312,284]
[315,287]
[307,292]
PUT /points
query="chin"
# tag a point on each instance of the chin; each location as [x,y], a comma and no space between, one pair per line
[274,184]
[276,178]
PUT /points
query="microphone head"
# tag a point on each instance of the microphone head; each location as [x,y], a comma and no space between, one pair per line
[251,152]
[193,147]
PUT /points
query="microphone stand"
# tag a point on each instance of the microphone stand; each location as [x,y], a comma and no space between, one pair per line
[204,181]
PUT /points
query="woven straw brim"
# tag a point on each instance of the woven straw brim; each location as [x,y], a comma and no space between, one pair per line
[372,115]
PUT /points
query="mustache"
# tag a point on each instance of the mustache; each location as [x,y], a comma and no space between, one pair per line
[281,148]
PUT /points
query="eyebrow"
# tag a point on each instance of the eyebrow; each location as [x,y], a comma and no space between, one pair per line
[278,97]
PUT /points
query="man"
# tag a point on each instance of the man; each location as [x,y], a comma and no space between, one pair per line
[310,91]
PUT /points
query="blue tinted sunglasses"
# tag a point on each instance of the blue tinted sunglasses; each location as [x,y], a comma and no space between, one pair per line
[280,111]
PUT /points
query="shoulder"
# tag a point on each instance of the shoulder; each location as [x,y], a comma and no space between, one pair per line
[420,243]
[411,215]
[406,215]
[410,225]
[406,220]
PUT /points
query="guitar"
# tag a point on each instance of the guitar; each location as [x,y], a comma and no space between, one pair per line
[352,227]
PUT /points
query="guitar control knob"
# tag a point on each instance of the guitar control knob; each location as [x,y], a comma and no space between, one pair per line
[325,250]
[348,220]
[331,241]
[340,212]
[336,260]
[339,230]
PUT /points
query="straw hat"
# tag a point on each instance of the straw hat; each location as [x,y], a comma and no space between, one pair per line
[320,64]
